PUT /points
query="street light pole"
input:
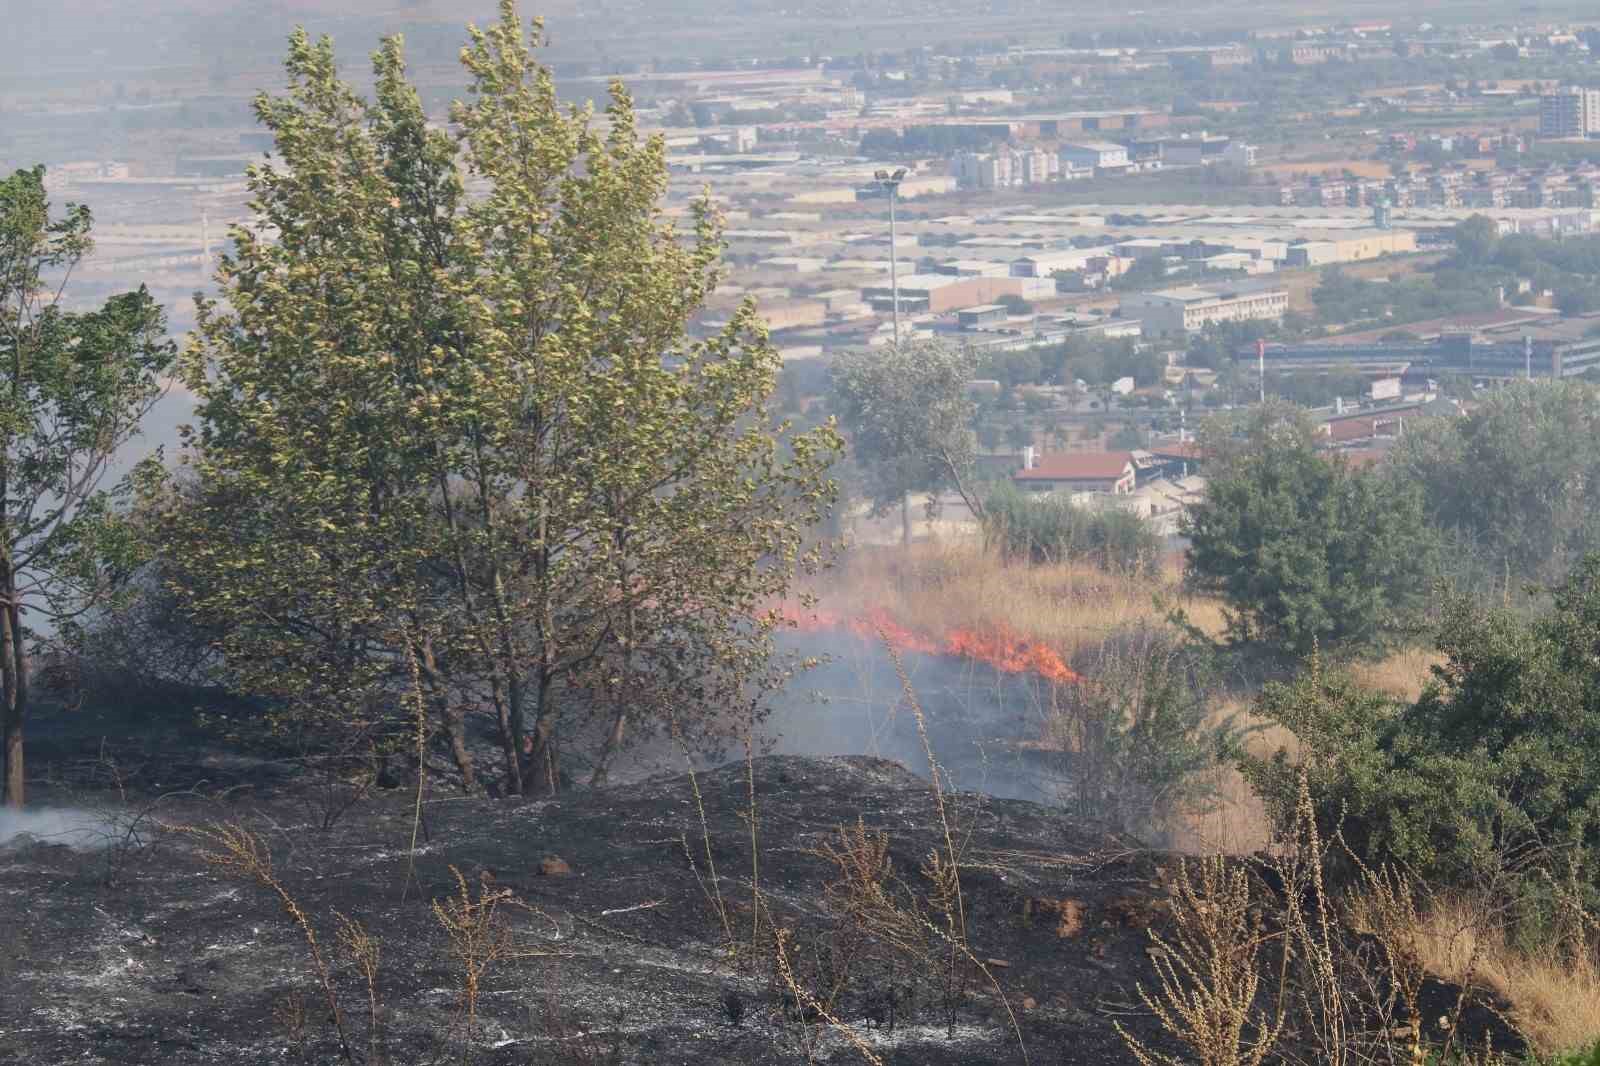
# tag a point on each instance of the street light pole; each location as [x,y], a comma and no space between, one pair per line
[890,183]
[894,262]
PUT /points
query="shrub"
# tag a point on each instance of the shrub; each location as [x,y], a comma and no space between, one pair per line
[1494,765]
[1051,529]
[1139,731]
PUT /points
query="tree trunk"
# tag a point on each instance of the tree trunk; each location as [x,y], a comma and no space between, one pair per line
[602,768]
[14,697]
[455,732]
[543,776]
[905,520]
[450,716]
[510,738]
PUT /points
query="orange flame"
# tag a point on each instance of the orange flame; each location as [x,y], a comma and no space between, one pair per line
[1001,649]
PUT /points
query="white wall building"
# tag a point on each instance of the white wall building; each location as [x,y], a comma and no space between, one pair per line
[1190,308]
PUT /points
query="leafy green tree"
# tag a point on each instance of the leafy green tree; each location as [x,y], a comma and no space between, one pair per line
[73,389]
[464,450]
[1303,548]
[907,415]
[1515,484]
[1475,238]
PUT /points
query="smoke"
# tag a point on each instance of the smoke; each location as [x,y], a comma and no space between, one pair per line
[74,828]
[978,718]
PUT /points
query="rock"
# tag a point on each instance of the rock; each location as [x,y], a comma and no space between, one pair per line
[1029,1003]
[554,866]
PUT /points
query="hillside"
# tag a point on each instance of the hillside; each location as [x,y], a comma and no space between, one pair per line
[612,945]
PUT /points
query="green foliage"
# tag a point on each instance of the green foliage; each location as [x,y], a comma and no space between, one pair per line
[906,412]
[1049,528]
[1347,301]
[462,450]
[73,388]
[1126,439]
[1495,763]
[1142,730]
[1516,482]
[1589,1056]
[1303,548]
[1475,238]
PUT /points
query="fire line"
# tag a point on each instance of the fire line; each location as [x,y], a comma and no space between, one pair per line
[1001,649]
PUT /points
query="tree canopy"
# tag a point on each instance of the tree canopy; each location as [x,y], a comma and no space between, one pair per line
[73,389]
[460,451]
[1304,548]
[1494,762]
[908,417]
[1514,484]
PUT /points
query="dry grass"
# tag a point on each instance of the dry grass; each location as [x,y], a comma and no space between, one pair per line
[1401,675]
[1554,996]
[1236,822]
[1069,607]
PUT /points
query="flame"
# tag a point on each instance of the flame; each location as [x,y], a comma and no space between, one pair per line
[1001,649]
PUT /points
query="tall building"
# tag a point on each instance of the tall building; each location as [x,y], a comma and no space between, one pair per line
[1570,113]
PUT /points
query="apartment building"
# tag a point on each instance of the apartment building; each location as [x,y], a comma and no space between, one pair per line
[1571,112]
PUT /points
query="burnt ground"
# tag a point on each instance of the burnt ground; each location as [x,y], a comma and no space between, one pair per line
[176,963]
[134,950]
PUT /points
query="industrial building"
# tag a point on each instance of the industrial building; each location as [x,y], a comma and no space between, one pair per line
[1190,308]
[940,293]
[1561,349]
[1096,155]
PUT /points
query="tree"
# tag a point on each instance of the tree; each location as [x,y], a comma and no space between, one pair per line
[462,453]
[1515,484]
[73,389]
[1303,548]
[1018,435]
[1126,439]
[1475,238]
[906,412]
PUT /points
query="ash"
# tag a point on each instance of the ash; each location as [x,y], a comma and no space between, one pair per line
[623,959]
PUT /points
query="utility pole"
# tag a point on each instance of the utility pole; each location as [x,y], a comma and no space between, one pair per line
[890,183]
[1261,368]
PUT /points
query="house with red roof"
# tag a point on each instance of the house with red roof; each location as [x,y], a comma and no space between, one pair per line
[1110,472]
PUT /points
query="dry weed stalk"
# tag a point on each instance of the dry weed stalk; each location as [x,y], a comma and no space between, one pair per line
[806,1001]
[290,1013]
[1312,934]
[478,940]
[233,848]
[943,870]
[1384,904]
[362,950]
[713,890]
[1210,972]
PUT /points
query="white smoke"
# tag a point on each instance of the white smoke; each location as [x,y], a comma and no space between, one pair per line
[78,829]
